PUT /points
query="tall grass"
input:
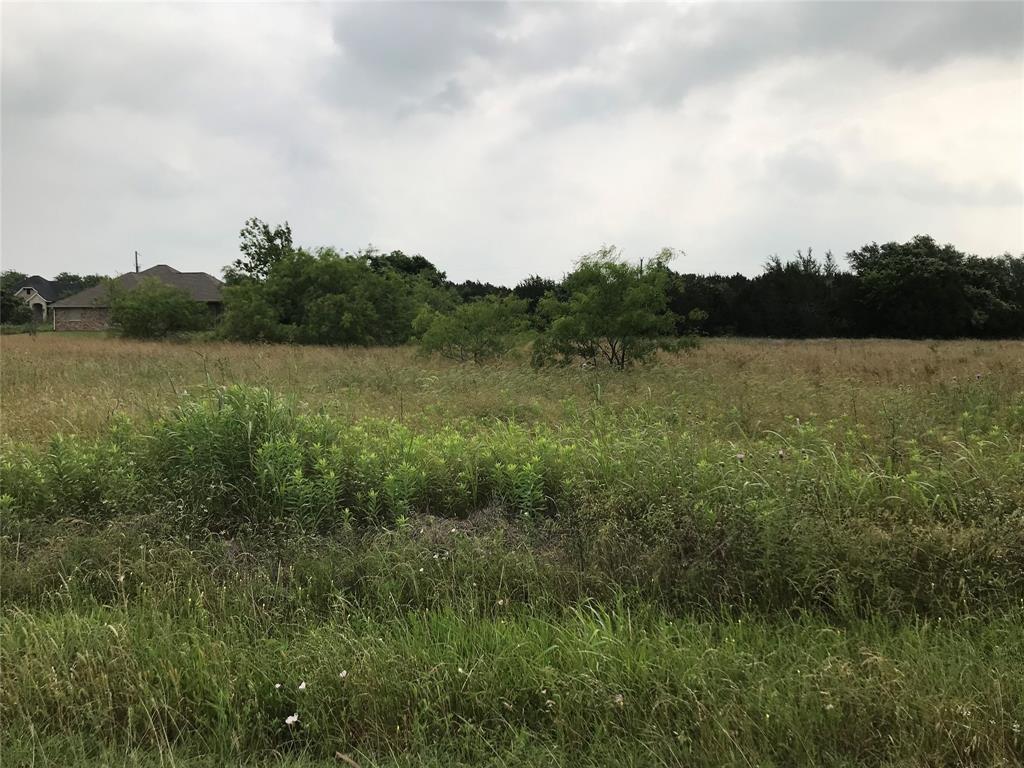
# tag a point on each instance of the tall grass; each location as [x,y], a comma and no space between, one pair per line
[784,521]
[763,555]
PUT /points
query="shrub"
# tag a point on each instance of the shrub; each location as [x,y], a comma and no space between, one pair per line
[248,316]
[616,313]
[478,331]
[154,310]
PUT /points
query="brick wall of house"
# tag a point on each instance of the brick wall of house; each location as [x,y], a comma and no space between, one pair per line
[81,319]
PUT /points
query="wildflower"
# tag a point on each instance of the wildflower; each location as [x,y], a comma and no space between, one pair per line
[830,706]
[619,699]
[462,671]
[741,456]
[277,686]
[343,674]
[291,719]
[421,570]
[782,454]
[302,685]
[501,601]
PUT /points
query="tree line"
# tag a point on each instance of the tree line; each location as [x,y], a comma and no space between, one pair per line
[916,289]
[606,309]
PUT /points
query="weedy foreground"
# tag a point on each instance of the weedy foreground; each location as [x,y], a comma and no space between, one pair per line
[757,553]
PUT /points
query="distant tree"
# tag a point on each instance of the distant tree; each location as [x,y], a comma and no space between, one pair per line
[922,289]
[999,306]
[616,312]
[790,299]
[12,280]
[248,316]
[533,289]
[469,290]
[154,310]
[715,296]
[68,284]
[479,330]
[324,297]
[13,309]
[261,247]
[413,266]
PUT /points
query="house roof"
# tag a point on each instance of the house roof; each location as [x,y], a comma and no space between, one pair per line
[198,285]
[42,286]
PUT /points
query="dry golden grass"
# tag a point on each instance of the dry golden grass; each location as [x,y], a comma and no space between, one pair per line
[64,383]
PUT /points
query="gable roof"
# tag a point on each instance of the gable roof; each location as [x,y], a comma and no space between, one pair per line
[198,285]
[45,288]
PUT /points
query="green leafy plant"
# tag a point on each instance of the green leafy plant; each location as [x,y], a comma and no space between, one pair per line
[616,313]
[478,331]
[154,310]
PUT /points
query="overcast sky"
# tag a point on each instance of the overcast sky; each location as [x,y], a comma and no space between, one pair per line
[504,140]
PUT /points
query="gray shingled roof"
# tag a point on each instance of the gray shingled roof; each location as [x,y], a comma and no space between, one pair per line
[199,285]
[40,285]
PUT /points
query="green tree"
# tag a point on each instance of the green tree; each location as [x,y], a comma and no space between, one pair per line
[262,246]
[397,261]
[68,283]
[13,309]
[923,289]
[480,330]
[324,297]
[616,312]
[154,310]
[248,316]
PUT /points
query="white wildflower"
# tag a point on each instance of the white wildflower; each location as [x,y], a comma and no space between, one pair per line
[343,674]
[277,686]
[302,685]
[291,719]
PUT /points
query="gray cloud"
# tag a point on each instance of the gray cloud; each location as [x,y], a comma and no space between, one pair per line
[501,139]
[807,168]
[709,45]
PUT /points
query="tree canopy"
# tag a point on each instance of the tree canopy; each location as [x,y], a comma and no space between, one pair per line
[155,310]
[616,312]
[606,308]
[480,330]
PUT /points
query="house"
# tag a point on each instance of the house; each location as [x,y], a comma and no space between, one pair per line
[89,310]
[39,293]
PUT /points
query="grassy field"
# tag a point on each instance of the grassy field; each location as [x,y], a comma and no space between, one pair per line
[758,553]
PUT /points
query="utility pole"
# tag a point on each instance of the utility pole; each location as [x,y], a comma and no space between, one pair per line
[136,261]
